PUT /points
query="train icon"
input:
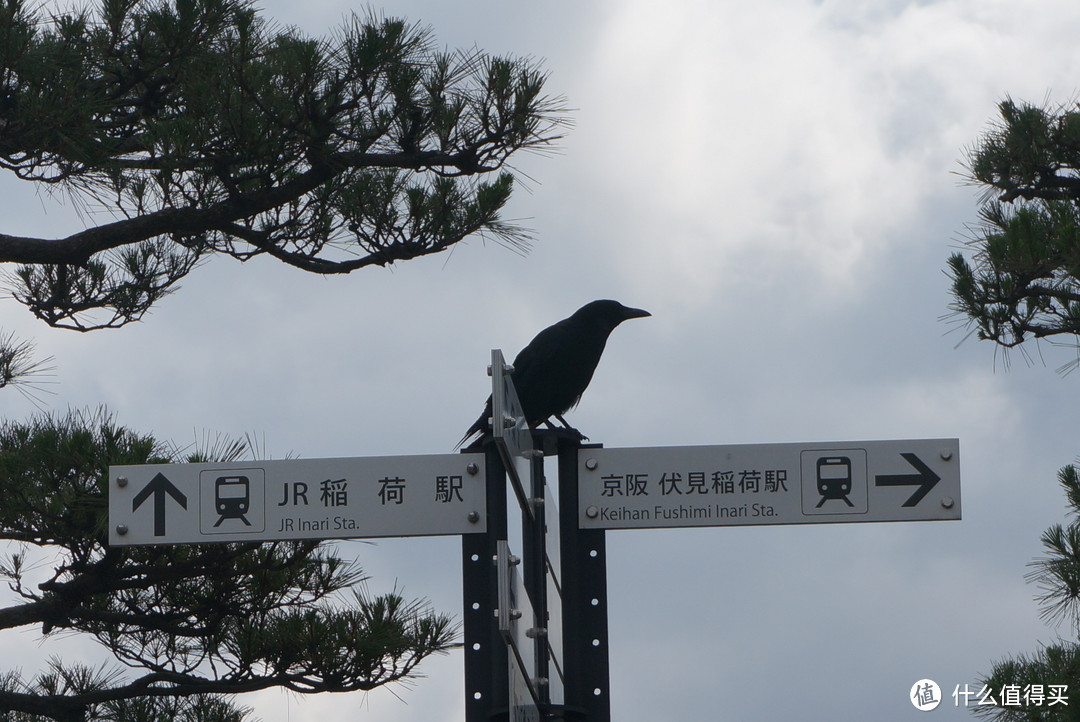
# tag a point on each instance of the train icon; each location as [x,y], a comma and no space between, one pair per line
[232,498]
[834,479]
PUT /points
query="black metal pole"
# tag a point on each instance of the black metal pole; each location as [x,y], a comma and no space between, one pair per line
[584,592]
[487,677]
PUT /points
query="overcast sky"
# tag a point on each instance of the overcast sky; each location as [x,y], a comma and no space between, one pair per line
[779,184]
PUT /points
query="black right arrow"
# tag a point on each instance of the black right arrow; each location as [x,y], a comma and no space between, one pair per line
[925,479]
[159,486]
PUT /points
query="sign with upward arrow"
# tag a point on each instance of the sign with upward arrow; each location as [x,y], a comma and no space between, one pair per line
[254,501]
[159,487]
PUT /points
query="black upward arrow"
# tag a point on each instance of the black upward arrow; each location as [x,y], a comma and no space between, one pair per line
[159,486]
[925,479]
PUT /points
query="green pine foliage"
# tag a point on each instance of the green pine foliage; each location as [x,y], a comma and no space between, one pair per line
[1032,677]
[201,129]
[1019,276]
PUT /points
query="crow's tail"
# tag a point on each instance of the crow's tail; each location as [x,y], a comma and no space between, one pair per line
[480,428]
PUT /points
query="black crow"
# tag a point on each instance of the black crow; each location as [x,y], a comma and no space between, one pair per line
[552,372]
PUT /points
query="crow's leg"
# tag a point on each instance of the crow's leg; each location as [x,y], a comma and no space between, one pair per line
[568,427]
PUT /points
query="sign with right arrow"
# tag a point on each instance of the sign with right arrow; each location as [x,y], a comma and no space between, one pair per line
[812,483]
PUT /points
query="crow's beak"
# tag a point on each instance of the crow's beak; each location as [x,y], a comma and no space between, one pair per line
[635,313]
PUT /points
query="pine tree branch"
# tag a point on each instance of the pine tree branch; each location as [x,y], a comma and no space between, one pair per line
[77,248]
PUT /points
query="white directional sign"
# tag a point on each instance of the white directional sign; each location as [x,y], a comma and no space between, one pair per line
[377,496]
[814,483]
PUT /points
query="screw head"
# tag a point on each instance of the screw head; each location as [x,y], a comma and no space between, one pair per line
[473,517]
[121,481]
[591,464]
[592,512]
[947,502]
[121,529]
[473,469]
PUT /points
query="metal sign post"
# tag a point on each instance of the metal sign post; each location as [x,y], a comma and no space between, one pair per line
[532,657]
[487,675]
[584,598]
[556,662]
